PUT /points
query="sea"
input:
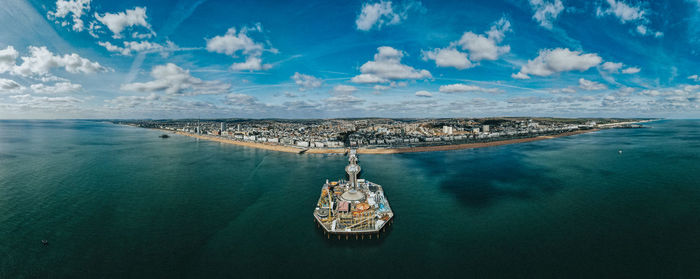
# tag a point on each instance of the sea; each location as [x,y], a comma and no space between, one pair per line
[120,202]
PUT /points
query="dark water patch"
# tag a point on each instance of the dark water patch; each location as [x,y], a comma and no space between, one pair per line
[6,156]
[482,177]
[606,173]
[691,138]
[482,186]
[11,140]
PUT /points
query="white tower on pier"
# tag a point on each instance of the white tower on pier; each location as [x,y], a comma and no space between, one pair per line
[353,169]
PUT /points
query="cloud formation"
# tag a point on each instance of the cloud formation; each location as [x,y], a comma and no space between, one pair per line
[174,80]
[448,57]
[631,70]
[134,46]
[546,11]
[382,13]
[424,94]
[462,88]
[8,56]
[75,8]
[41,61]
[9,86]
[386,67]
[64,103]
[552,61]
[306,82]
[476,47]
[628,13]
[57,88]
[232,43]
[121,20]
[590,85]
[612,67]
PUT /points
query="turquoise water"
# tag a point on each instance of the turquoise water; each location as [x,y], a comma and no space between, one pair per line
[119,202]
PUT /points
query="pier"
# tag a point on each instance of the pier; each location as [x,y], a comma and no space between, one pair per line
[354,207]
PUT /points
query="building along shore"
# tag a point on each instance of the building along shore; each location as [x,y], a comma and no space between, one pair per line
[379,150]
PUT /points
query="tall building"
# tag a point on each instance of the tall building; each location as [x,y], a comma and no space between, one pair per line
[485,128]
[447,130]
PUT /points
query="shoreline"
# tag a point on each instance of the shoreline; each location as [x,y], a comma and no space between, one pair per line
[364,150]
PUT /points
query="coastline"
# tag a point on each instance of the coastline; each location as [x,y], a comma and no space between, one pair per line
[363,150]
[466,145]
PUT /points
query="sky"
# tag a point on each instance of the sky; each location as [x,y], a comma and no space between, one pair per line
[328,59]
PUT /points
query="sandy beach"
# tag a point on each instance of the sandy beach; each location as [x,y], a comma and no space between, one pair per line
[362,150]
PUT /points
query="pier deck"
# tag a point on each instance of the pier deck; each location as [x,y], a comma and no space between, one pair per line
[353,206]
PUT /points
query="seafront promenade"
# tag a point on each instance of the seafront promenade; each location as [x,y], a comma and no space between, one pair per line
[291,149]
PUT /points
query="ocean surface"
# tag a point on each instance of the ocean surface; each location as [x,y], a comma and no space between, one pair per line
[120,202]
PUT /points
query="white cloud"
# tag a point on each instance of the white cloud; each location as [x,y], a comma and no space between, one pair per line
[546,11]
[152,100]
[482,47]
[306,82]
[424,94]
[628,13]
[368,78]
[448,57]
[694,77]
[238,99]
[641,29]
[519,75]
[461,88]
[57,88]
[631,70]
[343,100]
[552,61]
[341,88]
[529,100]
[612,66]
[569,90]
[615,68]
[477,47]
[342,97]
[675,99]
[623,11]
[47,103]
[129,47]
[251,64]
[379,14]
[381,87]
[10,86]
[176,81]
[41,60]
[114,48]
[74,7]
[387,67]
[234,42]
[121,20]
[8,56]
[94,29]
[590,85]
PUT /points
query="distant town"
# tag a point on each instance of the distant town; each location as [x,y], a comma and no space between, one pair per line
[380,132]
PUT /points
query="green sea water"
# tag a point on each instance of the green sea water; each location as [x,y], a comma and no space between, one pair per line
[120,202]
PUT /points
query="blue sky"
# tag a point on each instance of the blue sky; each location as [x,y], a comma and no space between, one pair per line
[323,59]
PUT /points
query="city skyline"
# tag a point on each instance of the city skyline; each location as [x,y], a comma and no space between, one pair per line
[306,59]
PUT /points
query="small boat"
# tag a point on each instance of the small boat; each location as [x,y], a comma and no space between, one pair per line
[619,151]
[45,242]
[164,136]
